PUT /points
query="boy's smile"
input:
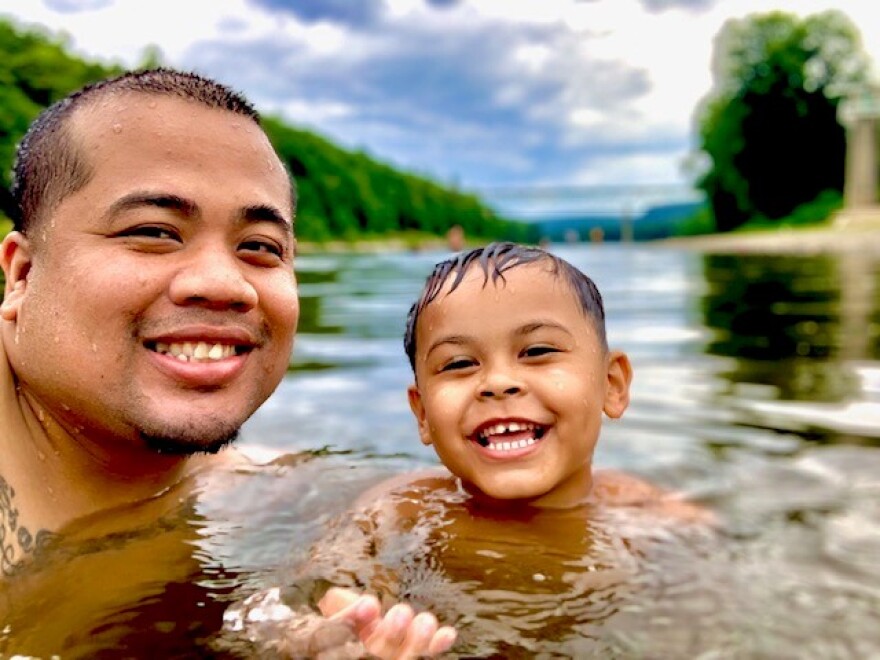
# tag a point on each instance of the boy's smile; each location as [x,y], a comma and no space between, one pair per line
[512,381]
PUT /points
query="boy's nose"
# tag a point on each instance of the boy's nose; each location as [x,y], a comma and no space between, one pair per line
[500,381]
[507,391]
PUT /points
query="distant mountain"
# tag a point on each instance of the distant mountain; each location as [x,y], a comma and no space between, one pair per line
[657,222]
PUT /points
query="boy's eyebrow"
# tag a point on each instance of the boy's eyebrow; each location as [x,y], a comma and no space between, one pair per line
[457,340]
[522,331]
[529,328]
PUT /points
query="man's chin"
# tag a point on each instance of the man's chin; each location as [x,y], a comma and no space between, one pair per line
[188,443]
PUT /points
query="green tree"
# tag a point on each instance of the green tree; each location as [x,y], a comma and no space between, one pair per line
[342,194]
[770,127]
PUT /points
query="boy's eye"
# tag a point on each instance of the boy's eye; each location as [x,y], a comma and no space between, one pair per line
[458,363]
[538,351]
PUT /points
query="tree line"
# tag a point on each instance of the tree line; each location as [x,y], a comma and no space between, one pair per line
[342,195]
[770,129]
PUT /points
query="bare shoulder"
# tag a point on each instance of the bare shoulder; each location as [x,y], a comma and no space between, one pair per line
[430,479]
[615,488]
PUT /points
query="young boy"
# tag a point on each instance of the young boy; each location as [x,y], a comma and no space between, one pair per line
[517,542]
[513,374]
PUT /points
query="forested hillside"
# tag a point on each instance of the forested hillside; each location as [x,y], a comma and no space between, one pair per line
[342,194]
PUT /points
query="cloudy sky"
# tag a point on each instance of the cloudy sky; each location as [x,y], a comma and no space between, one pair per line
[481,93]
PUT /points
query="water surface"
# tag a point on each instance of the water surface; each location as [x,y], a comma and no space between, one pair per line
[756,392]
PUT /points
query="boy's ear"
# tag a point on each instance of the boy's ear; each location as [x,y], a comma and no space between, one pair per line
[418,409]
[617,391]
[15,260]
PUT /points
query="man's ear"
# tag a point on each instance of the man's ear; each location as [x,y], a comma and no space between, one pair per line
[617,390]
[418,409]
[15,260]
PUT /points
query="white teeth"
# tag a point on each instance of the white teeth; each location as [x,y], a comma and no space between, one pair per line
[508,446]
[200,351]
[512,427]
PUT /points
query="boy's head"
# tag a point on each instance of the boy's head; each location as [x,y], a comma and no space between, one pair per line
[494,260]
[513,373]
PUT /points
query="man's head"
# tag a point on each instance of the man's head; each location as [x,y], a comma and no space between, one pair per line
[513,374]
[50,164]
[150,296]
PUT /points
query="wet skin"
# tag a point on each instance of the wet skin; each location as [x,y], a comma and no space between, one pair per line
[511,386]
[180,241]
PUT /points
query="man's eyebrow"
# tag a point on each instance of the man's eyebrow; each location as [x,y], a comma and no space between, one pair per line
[184,207]
[189,209]
[266,213]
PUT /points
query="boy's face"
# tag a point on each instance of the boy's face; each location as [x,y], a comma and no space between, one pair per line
[512,383]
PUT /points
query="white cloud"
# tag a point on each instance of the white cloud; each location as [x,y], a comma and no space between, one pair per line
[482,91]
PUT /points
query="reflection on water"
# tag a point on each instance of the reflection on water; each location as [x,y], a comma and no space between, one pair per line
[756,391]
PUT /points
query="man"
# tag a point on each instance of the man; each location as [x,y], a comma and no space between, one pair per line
[149,309]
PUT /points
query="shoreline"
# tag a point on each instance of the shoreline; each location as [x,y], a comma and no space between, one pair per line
[849,231]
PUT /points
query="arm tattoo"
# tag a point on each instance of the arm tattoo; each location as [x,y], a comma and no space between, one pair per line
[16,541]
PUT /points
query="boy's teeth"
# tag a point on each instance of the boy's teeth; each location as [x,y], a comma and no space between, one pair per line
[515,444]
[199,351]
[485,438]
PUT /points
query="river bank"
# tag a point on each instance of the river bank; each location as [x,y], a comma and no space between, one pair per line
[848,232]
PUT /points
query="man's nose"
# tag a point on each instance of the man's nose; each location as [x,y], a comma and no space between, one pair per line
[212,277]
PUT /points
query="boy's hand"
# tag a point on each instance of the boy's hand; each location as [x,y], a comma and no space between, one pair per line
[352,626]
[399,635]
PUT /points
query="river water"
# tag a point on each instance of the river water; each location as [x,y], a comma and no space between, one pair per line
[756,392]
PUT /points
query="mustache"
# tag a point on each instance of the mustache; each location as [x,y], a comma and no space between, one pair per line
[259,333]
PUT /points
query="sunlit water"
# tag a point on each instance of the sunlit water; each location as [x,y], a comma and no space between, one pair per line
[756,392]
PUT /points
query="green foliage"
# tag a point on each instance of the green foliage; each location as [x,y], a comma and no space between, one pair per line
[346,195]
[35,71]
[770,127]
[814,212]
[699,222]
[342,194]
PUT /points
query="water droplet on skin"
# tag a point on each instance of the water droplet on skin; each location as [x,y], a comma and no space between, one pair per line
[117,128]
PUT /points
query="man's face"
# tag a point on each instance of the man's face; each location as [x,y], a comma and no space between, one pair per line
[157,302]
[512,382]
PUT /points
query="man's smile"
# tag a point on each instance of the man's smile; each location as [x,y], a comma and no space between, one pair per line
[200,351]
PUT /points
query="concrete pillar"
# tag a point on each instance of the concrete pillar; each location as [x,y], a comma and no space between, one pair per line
[861,176]
[860,114]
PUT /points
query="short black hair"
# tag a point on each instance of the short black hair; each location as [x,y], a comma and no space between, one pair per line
[49,166]
[495,259]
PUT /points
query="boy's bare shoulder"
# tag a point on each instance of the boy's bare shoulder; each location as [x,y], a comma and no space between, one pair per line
[429,479]
[615,488]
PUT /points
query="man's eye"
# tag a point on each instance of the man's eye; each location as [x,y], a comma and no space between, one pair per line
[538,351]
[458,364]
[267,248]
[151,231]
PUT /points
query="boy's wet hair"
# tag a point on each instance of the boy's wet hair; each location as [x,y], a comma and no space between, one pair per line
[49,163]
[495,259]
